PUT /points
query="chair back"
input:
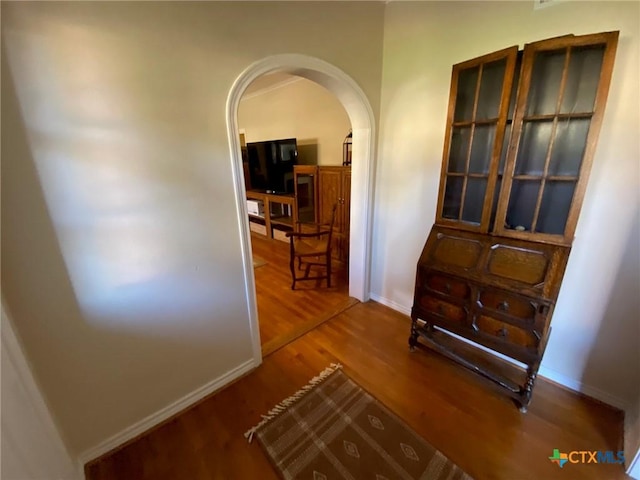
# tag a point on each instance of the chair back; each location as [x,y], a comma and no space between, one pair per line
[333,221]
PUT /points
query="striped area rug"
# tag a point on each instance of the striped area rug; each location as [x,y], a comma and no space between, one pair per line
[333,429]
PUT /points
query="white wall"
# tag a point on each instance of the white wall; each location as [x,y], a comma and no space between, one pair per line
[32,448]
[595,342]
[301,109]
[120,243]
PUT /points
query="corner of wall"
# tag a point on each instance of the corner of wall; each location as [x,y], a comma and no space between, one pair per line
[29,431]
[632,440]
[143,426]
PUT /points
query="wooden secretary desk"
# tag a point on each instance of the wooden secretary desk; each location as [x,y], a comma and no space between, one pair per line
[520,137]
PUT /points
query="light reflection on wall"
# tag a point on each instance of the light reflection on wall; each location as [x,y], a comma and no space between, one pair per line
[114,194]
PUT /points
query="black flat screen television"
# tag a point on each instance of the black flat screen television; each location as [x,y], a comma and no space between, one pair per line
[271,165]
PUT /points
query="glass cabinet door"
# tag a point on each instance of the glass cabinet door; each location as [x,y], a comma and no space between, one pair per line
[306,192]
[478,107]
[559,110]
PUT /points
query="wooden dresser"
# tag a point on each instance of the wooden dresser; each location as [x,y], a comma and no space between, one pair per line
[522,128]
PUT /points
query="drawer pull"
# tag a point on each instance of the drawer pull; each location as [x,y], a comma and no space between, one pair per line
[503,332]
[447,287]
[503,306]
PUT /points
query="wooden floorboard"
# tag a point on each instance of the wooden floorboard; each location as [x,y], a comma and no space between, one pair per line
[285,314]
[476,426]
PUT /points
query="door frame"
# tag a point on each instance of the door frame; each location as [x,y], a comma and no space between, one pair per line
[360,113]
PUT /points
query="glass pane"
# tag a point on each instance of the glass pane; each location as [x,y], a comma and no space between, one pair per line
[582,79]
[305,195]
[473,199]
[481,148]
[568,147]
[545,82]
[452,197]
[522,204]
[554,209]
[466,94]
[459,149]
[491,89]
[533,148]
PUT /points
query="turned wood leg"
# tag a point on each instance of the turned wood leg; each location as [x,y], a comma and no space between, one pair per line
[292,263]
[413,337]
[527,391]
[328,270]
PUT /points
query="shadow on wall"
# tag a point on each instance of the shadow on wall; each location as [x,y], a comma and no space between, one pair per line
[36,287]
[615,359]
[308,151]
[84,365]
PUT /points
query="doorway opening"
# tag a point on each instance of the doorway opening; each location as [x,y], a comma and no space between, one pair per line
[361,118]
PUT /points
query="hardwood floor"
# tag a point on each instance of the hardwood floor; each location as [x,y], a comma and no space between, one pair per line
[457,412]
[285,314]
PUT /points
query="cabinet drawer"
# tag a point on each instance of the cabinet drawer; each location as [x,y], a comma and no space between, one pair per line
[505,331]
[447,285]
[508,304]
[443,309]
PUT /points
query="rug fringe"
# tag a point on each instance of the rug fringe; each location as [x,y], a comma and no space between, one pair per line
[284,404]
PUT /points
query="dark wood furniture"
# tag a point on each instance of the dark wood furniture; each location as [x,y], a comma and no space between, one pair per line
[335,188]
[279,211]
[521,132]
[311,249]
[318,190]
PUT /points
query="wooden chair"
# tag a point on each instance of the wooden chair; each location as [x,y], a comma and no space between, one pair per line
[311,249]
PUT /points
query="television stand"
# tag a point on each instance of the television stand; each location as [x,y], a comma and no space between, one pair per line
[280,210]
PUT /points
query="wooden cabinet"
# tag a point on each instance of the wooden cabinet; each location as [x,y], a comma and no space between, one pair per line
[317,190]
[520,136]
[335,188]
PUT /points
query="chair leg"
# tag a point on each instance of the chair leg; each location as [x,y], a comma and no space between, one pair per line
[329,270]
[292,265]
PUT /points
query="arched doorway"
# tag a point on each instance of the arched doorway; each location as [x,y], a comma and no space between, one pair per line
[362,120]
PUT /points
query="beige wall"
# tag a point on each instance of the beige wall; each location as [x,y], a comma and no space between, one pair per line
[594,343]
[301,109]
[120,241]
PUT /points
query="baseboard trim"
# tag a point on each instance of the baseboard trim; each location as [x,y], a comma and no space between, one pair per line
[146,424]
[582,388]
[390,303]
[544,372]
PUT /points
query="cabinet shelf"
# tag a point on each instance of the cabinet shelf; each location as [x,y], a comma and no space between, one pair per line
[486,121]
[559,116]
[553,178]
[285,221]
